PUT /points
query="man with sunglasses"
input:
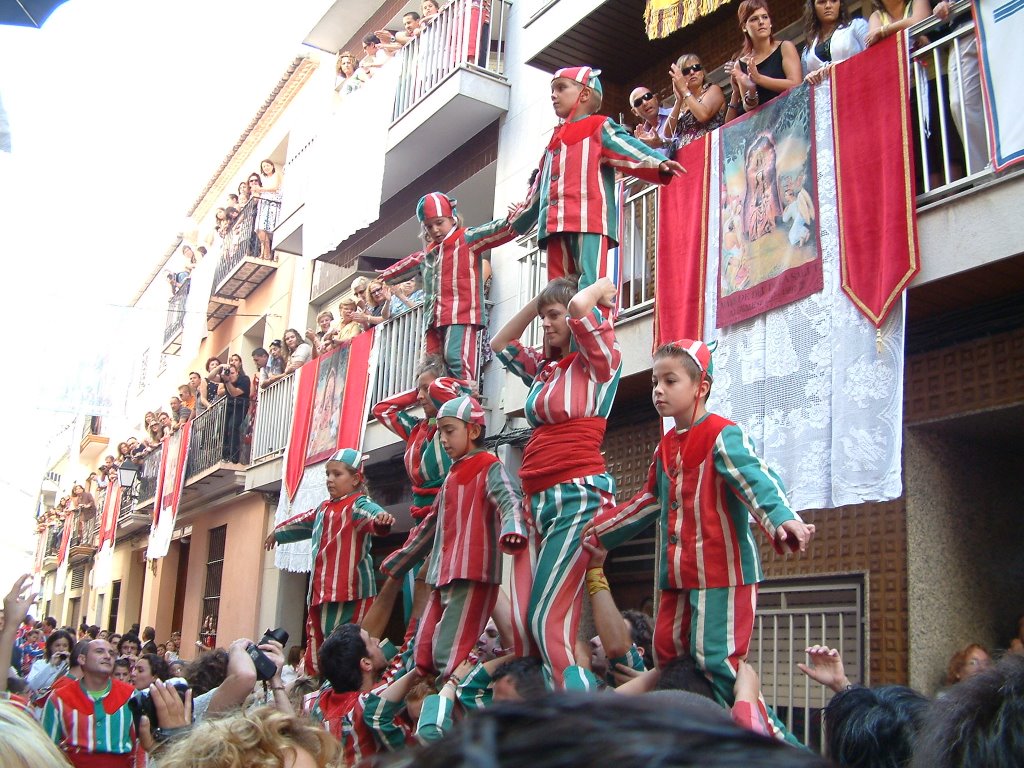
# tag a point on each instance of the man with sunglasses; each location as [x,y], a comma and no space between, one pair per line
[653,117]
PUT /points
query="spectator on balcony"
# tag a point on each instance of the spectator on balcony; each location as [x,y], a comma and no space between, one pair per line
[123,451]
[238,389]
[348,326]
[407,294]
[233,202]
[299,352]
[187,397]
[244,194]
[429,9]
[966,663]
[374,55]
[83,504]
[273,369]
[892,16]
[651,129]
[197,390]
[764,67]
[165,426]
[700,104]
[325,322]
[181,266]
[179,412]
[220,221]
[347,77]
[268,190]
[215,372]
[378,302]
[411,28]
[831,35]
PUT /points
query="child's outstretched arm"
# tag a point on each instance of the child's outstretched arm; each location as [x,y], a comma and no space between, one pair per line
[620,524]
[297,528]
[403,265]
[627,153]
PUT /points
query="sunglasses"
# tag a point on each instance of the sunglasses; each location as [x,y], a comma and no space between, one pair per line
[692,68]
[641,99]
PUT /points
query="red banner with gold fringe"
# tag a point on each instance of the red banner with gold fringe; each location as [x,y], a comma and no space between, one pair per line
[878,245]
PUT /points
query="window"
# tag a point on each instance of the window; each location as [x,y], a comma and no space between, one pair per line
[211,592]
[533,275]
[115,599]
[792,615]
[77,577]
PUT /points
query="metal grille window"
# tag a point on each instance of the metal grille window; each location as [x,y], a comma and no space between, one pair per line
[533,275]
[211,592]
[115,600]
[77,577]
[792,615]
[639,247]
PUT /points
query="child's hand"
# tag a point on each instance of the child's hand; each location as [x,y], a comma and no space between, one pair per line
[606,292]
[795,534]
[384,518]
[671,167]
[826,667]
[270,542]
[513,542]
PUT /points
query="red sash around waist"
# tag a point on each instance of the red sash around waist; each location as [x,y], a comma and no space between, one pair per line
[559,452]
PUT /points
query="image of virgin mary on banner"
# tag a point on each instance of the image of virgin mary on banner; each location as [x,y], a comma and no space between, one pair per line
[770,253]
[325,420]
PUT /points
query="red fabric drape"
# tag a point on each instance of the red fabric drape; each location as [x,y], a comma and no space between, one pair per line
[681,268]
[111,507]
[353,404]
[875,177]
[296,460]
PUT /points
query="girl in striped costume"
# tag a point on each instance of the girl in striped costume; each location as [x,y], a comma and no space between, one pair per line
[572,387]
[342,586]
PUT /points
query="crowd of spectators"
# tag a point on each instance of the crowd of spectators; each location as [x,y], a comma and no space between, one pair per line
[223,709]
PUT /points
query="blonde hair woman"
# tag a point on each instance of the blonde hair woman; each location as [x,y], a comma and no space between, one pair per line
[23,744]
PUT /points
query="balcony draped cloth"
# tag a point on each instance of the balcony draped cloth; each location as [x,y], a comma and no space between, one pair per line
[1000,30]
[170,482]
[302,485]
[107,534]
[346,165]
[663,17]
[813,382]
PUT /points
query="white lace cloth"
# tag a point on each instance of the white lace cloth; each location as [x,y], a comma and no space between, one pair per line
[296,557]
[807,381]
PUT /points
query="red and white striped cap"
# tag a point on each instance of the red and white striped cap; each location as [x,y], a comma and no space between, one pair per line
[584,75]
[699,352]
[436,204]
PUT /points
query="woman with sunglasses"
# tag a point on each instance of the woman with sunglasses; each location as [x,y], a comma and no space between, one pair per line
[700,104]
[832,36]
[652,130]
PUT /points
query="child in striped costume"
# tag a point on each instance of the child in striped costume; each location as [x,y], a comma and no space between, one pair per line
[454,272]
[572,200]
[704,483]
[343,585]
[572,387]
[478,518]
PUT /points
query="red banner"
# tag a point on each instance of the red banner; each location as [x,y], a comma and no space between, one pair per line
[295,459]
[878,247]
[681,267]
[353,407]
[170,483]
[61,576]
[111,508]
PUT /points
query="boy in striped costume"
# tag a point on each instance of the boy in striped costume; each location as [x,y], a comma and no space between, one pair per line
[478,517]
[572,200]
[572,387]
[704,483]
[89,718]
[343,585]
[454,273]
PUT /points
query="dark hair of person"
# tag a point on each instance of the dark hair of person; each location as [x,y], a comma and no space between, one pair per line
[682,674]
[128,638]
[157,666]
[207,671]
[558,291]
[581,730]
[340,655]
[874,727]
[978,722]
[526,673]
[260,351]
[641,632]
[80,649]
[415,15]
[53,638]
[294,656]
[123,662]
[50,622]
[812,24]
[371,39]
[92,631]
[149,633]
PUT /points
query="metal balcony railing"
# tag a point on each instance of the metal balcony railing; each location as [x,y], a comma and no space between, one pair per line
[950,133]
[275,408]
[84,529]
[127,508]
[399,342]
[241,241]
[149,475]
[206,443]
[465,34]
[638,248]
[53,537]
[176,312]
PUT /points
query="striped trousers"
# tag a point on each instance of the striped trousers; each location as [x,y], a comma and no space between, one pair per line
[714,626]
[547,581]
[459,345]
[453,620]
[579,253]
[325,618]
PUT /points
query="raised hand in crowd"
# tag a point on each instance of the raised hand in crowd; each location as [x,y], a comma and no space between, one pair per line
[173,714]
[825,667]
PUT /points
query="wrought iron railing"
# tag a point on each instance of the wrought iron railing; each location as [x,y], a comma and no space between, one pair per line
[207,441]
[149,474]
[127,508]
[84,529]
[176,312]
[638,248]
[465,34]
[241,241]
[275,407]
[951,134]
[53,537]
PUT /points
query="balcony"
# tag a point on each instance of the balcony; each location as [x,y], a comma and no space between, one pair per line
[129,518]
[274,411]
[53,536]
[84,531]
[329,281]
[451,86]
[175,320]
[240,270]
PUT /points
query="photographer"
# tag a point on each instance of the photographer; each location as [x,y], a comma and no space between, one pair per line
[55,661]
[238,388]
[241,678]
[216,372]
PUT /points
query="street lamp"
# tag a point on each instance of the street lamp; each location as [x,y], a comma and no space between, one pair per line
[127,473]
